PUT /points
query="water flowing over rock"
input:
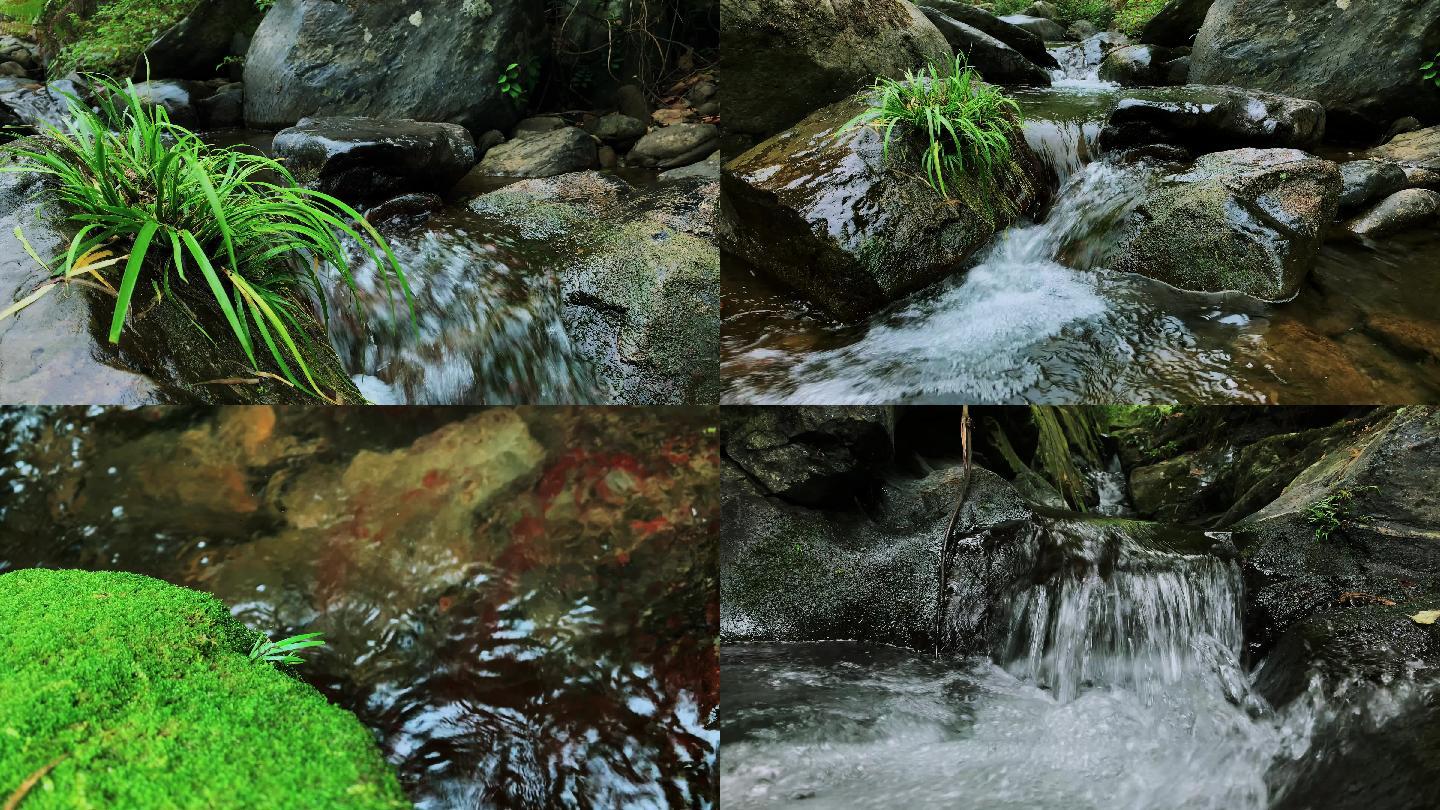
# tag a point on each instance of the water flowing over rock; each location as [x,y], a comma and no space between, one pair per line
[1146,65]
[369,159]
[1213,119]
[1358,59]
[793,56]
[430,60]
[996,61]
[824,211]
[1248,220]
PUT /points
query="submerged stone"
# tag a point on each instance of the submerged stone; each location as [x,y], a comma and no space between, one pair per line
[124,691]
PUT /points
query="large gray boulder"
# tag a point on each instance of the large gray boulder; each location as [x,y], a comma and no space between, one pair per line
[1359,59]
[1029,45]
[790,57]
[1176,24]
[1366,181]
[1247,220]
[1042,27]
[367,159]
[1213,119]
[823,211]
[430,60]
[997,62]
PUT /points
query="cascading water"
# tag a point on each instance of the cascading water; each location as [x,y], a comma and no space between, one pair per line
[1115,684]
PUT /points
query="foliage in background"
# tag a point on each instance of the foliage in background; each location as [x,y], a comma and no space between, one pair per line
[965,125]
[1128,16]
[1133,14]
[1327,514]
[1431,70]
[188,214]
[25,11]
[104,36]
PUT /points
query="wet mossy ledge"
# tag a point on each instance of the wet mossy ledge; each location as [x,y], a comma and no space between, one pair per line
[124,691]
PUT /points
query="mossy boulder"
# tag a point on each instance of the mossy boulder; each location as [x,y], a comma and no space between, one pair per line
[124,691]
[825,211]
[1246,220]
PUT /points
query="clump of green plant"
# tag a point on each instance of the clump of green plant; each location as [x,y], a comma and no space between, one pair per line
[965,124]
[1330,512]
[1134,14]
[178,213]
[1431,70]
[283,651]
[25,11]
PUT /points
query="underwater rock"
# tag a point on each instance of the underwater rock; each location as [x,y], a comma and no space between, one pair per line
[1401,211]
[437,61]
[547,154]
[1213,119]
[810,456]
[1176,23]
[96,663]
[1366,181]
[1357,59]
[790,57]
[824,211]
[1248,220]
[996,61]
[362,160]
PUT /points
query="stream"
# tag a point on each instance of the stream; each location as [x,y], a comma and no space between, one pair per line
[533,630]
[1116,683]
[1040,319]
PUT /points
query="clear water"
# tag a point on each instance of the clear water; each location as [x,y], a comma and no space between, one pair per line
[1041,319]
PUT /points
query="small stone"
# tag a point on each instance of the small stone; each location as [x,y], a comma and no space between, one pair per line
[542,155]
[675,146]
[617,128]
[671,116]
[630,100]
[539,125]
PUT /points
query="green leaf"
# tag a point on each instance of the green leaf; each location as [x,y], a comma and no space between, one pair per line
[132,274]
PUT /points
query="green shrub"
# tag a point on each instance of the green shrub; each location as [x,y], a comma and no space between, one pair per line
[124,691]
[1431,70]
[1329,513]
[1098,12]
[186,214]
[1135,13]
[965,125]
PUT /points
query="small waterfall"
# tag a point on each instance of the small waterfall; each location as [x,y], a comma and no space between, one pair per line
[1113,489]
[1079,65]
[1117,612]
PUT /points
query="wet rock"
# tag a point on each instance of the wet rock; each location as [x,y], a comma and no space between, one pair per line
[545,155]
[1403,125]
[1401,211]
[1176,24]
[1144,65]
[675,146]
[1419,149]
[24,53]
[1029,45]
[487,141]
[11,70]
[194,47]
[1248,220]
[1046,29]
[630,100]
[1368,180]
[1212,119]
[1040,8]
[997,62]
[617,129]
[638,274]
[793,56]
[367,159]
[811,456]
[1185,488]
[1081,30]
[827,214]
[1420,177]
[225,109]
[317,57]
[538,125]
[1379,486]
[1326,51]
[707,169]
[411,209]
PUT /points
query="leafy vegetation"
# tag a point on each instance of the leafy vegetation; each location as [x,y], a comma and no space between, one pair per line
[965,125]
[25,11]
[283,651]
[179,213]
[1068,12]
[1132,15]
[1431,70]
[1329,513]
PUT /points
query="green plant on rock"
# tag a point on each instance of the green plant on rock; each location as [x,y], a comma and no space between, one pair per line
[510,84]
[283,651]
[1431,70]
[964,124]
[1330,512]
[204,227]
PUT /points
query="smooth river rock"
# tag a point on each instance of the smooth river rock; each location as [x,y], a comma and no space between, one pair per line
[1401,211]
[1213,119]
[996,61]
[367,159]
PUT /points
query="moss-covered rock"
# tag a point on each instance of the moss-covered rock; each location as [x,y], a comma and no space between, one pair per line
[826,211]
[124,691]
[178,38]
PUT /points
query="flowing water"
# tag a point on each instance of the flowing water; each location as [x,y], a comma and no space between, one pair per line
[519,604]
[1116,685]
[1040,319]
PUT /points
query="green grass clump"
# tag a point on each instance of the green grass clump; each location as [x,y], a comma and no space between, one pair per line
[124,691]
[216,229]
[1133,15]
[964,124]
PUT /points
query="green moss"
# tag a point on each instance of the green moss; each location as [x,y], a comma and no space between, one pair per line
[112,39]
[140,694]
